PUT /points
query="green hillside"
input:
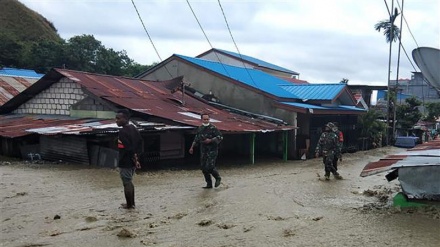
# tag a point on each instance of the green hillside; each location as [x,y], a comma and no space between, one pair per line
[23,24]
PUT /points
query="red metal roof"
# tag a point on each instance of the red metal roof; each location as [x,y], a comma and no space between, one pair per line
[384,164]
[13,85]
[153,98]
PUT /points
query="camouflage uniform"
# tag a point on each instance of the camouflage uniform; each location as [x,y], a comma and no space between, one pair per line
[338,154]
[208,152]
[327,147]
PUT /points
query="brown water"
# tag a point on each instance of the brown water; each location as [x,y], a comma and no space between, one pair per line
[267,204]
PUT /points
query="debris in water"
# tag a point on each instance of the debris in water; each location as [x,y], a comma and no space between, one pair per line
[277,218]
[317,218]
[54,233]
[288,233]
[225,226]
[57,217]
[91,219]
[178,216]
[205,223]
[126,233]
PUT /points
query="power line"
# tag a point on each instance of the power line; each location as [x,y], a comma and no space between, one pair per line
[149,37]
[209,42]
[401,44]
[233,40]
[409,29]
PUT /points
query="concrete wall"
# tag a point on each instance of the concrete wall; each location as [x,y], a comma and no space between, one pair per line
[57,99]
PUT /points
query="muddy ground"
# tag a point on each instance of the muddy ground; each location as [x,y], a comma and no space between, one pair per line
[266,204]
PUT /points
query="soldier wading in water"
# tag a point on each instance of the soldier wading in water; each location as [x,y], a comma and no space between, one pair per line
[328,148]
[208,137]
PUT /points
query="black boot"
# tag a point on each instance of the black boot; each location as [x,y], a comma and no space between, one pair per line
[217,177]
[208,180]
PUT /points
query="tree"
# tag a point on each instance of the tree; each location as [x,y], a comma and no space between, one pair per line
[390,30]
[433,111]
[135,69]
[372,127]
[11,50]
[44,55]
[82,53]
[408,114]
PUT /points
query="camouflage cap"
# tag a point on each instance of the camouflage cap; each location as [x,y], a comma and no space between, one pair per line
[330,125]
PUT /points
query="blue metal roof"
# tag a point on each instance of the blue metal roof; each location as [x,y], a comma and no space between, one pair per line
[381,94]
[314,91]
[259,62]
[317,107]
[19,73]
[251,77]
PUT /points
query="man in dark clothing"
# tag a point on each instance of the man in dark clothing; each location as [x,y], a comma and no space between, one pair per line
[208,137]
[129,146]
[327,146]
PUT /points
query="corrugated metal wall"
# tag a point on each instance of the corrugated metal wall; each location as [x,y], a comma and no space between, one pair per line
[66,148]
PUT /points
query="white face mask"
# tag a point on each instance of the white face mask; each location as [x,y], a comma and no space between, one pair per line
[205,124]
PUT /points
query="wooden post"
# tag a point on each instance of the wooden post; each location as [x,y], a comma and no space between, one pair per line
[285,146]
[252,146]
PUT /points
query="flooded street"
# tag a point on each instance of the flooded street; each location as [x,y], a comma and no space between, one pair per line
[266,204]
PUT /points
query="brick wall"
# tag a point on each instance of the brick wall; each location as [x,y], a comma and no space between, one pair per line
[57,99]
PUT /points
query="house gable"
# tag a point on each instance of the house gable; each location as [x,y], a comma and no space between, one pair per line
[241,60]
[57,99]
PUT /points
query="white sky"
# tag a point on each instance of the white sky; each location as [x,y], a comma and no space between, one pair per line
[323,40]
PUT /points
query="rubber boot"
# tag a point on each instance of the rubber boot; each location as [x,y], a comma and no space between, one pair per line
[208,180]
[217,177]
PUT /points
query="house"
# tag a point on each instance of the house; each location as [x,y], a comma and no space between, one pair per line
[307,106]
[13,81]
[417,86]
[69,115]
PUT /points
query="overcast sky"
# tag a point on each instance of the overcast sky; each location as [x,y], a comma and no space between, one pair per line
[323,40]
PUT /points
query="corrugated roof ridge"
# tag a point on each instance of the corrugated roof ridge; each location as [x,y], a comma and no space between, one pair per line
[97,74]
[256,61]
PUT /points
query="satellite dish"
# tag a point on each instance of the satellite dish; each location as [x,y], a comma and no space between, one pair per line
[428,60]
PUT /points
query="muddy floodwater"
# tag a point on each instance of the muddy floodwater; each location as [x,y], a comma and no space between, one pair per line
[266,204]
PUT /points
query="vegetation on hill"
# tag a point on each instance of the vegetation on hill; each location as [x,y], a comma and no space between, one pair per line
[24,24]
[30,41]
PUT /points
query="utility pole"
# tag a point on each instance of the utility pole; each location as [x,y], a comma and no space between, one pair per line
[397,75]
[389,73]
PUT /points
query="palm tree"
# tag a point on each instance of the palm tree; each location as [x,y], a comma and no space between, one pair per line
[390,30]
[391,33]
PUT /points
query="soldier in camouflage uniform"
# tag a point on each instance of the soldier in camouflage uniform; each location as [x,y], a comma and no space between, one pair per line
[208,137]
[327,147]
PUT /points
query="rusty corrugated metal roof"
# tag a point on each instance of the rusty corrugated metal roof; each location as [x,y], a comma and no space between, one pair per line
[21,125]
[152,98]
[16,125]
[428,149]
[13,85]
